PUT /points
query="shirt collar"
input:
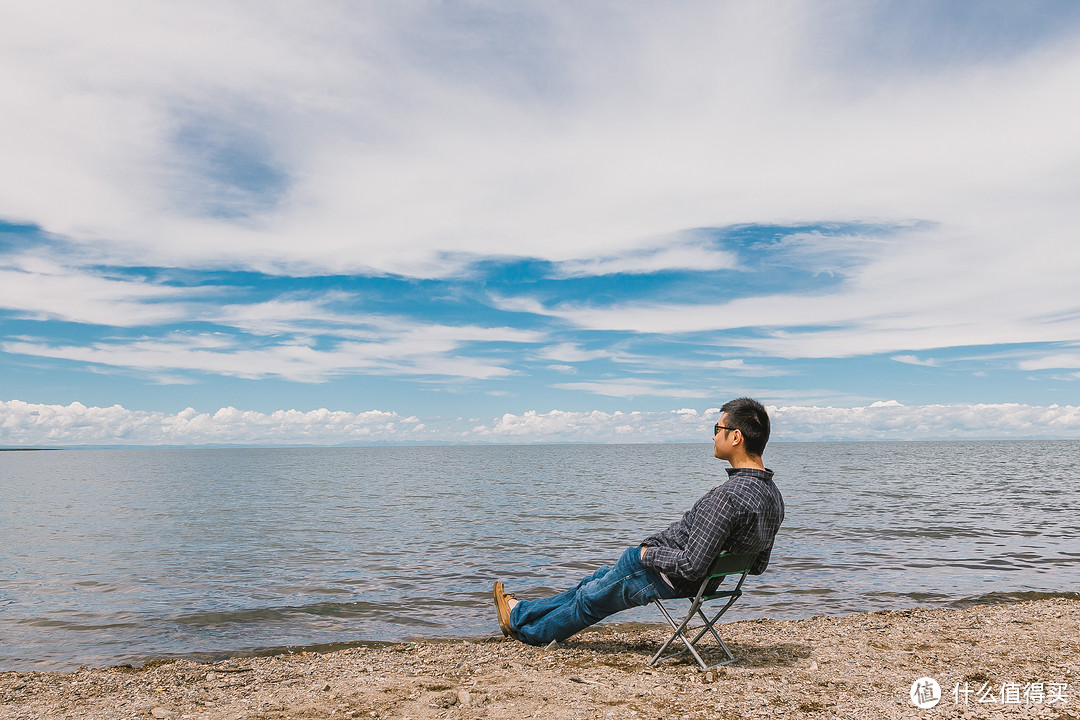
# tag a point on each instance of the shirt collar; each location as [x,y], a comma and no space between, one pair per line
[765,474]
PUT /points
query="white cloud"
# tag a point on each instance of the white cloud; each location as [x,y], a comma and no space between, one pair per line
[347,137]
[915,360]
[24,425]
[891,420]
[568,369]
[42,289]
[682,257]
[595,426]
[877,421]
[1052,362]
[416,139]
[401,348]
[916,294]
[571,352]
[631,388]
[736,366]
[284,315]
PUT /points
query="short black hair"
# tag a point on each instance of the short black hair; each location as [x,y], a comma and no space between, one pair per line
[749,416]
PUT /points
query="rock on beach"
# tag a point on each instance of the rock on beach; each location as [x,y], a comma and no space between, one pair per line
[1023,657]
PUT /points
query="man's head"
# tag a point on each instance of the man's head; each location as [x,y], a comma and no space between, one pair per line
[748,417]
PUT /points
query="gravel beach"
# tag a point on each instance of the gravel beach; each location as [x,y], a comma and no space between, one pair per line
[1018,659]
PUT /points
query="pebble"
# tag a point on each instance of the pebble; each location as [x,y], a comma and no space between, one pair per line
[160,712]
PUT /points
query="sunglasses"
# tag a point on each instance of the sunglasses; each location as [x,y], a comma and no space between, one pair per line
[718,427]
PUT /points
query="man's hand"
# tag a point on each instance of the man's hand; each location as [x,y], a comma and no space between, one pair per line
[643,549]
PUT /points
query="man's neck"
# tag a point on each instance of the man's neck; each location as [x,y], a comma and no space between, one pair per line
[747,461]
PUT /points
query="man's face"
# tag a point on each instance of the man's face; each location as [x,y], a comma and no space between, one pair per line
[722,447]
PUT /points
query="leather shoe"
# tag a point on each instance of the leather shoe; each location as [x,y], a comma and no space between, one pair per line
[502,606]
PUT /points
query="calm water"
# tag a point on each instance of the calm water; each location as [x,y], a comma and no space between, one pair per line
[118,556]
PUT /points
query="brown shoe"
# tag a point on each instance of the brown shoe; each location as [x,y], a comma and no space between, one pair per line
[502,606]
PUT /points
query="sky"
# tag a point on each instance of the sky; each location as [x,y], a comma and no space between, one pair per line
[414,222]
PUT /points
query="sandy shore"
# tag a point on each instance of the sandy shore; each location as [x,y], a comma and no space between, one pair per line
[1020,660]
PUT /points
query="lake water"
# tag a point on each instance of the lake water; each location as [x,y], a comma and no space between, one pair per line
[113,556]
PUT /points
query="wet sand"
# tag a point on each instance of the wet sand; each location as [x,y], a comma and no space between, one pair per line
[1010,660]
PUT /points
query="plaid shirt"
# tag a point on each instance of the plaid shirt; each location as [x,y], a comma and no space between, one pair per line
[740,516]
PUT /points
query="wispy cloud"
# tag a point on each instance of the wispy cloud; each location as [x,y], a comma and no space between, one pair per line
[633,387]
[408,350]
[571,352]
[915,360]
[913,295]
[1055,361]
[692,257]
[40,288]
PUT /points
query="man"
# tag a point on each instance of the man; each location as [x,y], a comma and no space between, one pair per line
[740,516]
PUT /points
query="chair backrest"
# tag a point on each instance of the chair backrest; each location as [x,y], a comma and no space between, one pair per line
[728,564]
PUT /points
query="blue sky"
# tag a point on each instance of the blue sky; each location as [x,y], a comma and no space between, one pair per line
[490,222]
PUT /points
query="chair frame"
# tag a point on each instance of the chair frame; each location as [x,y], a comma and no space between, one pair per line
[723,566]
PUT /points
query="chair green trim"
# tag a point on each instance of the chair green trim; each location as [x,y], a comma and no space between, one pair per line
[722,566]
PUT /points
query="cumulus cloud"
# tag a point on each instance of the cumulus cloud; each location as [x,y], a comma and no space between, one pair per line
[25,425]
[893,421]
[878,421]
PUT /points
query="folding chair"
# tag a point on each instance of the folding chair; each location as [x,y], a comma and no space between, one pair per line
[723,566]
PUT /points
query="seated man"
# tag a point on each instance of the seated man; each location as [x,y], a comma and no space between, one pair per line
[740,516]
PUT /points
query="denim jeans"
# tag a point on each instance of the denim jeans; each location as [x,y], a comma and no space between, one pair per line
[612,588]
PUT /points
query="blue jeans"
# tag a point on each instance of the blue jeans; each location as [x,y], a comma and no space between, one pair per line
[612,588]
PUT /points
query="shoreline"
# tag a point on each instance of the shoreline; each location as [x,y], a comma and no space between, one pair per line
[135,662]
[855,666]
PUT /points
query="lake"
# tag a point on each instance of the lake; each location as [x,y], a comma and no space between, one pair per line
[114,556]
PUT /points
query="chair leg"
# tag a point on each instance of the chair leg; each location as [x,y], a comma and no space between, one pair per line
[674,626]
[679,632]
[679,629]
[709,624]
[712,629]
